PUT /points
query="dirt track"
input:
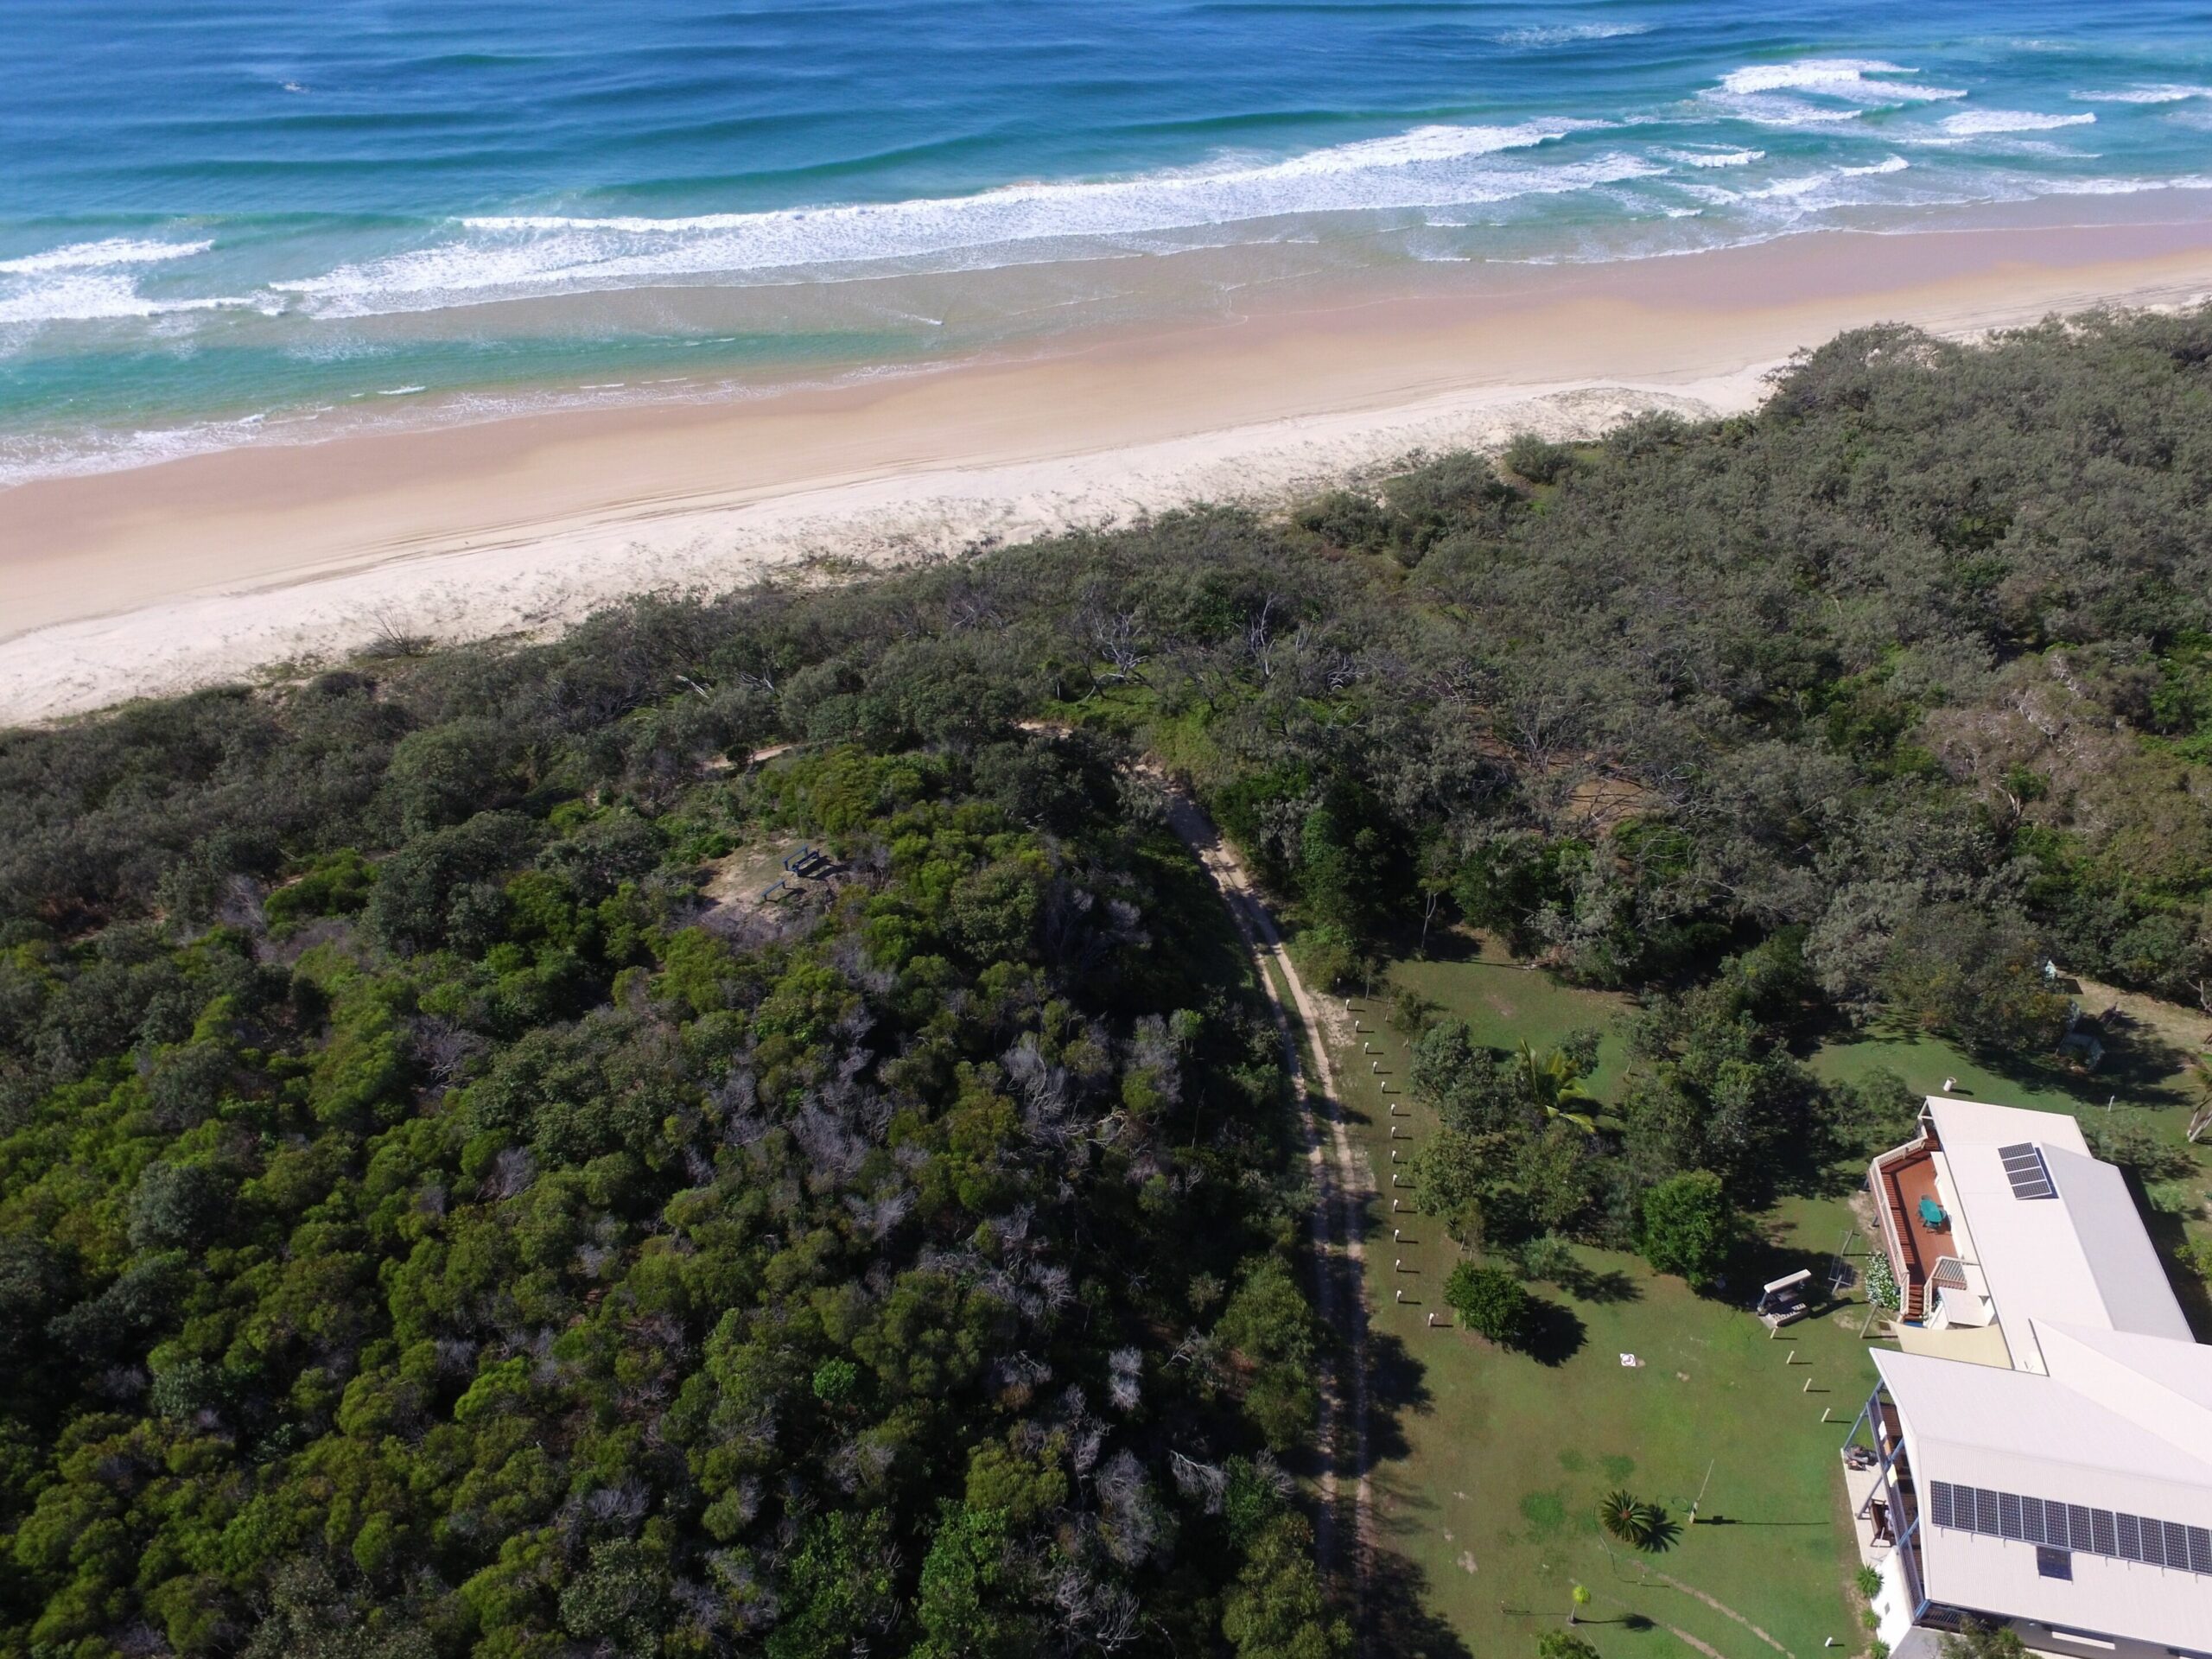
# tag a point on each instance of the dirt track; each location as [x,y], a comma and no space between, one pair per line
[1341,1187]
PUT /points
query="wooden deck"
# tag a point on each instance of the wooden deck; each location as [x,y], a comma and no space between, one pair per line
[1905,1180]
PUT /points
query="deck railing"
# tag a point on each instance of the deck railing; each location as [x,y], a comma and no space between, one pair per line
[1896,1229]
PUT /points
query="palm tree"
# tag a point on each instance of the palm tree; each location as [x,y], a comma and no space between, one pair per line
[1553,1082]
[1633,1521]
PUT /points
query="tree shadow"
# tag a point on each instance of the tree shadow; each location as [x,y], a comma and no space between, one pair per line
[2170,1237]
[1556,1333]
[1398,1615]
[1397,1384]
[1603,1287]
[2138,1062]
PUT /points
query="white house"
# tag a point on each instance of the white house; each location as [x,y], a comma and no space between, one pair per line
[2039,1451]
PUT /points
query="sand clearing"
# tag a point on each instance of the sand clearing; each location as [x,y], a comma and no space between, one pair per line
[217,567]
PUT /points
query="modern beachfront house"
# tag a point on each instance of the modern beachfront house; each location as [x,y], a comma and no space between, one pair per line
[2038,1452]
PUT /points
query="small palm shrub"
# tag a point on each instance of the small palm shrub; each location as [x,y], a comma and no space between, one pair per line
[1630,1519]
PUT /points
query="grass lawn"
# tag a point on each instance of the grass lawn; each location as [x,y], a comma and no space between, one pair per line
[1924,1062]
[1489,1465]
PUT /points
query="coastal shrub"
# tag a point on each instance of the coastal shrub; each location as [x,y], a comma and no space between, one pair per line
[516,1074]
[1346,519]
[1326,954]
[336,884]
[1537,459]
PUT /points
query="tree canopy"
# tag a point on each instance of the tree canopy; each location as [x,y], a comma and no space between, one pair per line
[445,1208]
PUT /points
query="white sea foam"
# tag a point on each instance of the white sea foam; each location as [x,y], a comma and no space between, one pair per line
[1564,33]
[1972,123]
[92,281]
[2169,94]
[2121,186]
[1714,157]
[1774,94]
[514,255]
[94,298]
[1826,179]
[95,256]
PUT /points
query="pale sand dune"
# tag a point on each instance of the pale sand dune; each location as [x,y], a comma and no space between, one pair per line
[216,567]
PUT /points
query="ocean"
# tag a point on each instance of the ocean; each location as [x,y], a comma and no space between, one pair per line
[226,223]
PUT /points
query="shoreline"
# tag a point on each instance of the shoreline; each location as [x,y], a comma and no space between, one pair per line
[214,566]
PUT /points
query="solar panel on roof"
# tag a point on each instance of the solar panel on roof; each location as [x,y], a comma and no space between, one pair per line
[2047,1522]
[2025,1170]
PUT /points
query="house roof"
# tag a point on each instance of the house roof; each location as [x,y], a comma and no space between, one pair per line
[2078,1256]
[2116,1429]
[2108,1410]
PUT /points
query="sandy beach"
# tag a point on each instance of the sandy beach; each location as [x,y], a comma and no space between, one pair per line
[217,567]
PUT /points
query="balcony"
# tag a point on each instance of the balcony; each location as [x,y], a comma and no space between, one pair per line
[1906,1194]
[1884,1501]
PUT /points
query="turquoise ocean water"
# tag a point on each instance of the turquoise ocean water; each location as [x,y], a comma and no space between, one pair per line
[225,222]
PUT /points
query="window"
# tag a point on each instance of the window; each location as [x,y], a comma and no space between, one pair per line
[2053,1562]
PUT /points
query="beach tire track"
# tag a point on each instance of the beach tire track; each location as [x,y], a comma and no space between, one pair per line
[1338,1219]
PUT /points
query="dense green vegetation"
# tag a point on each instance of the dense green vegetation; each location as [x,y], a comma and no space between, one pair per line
[487,1248]
[442,1209]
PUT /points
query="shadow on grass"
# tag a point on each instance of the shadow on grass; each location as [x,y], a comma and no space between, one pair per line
[1397,1384]
[1603,1287]
[1399,1620]
[1637,1621]
[1763,1260]
[1556,1333]
[2139,1062]
[2170,1237]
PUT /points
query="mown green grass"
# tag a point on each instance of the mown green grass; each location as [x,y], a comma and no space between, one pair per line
[1489,1466]
[1924,1062]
